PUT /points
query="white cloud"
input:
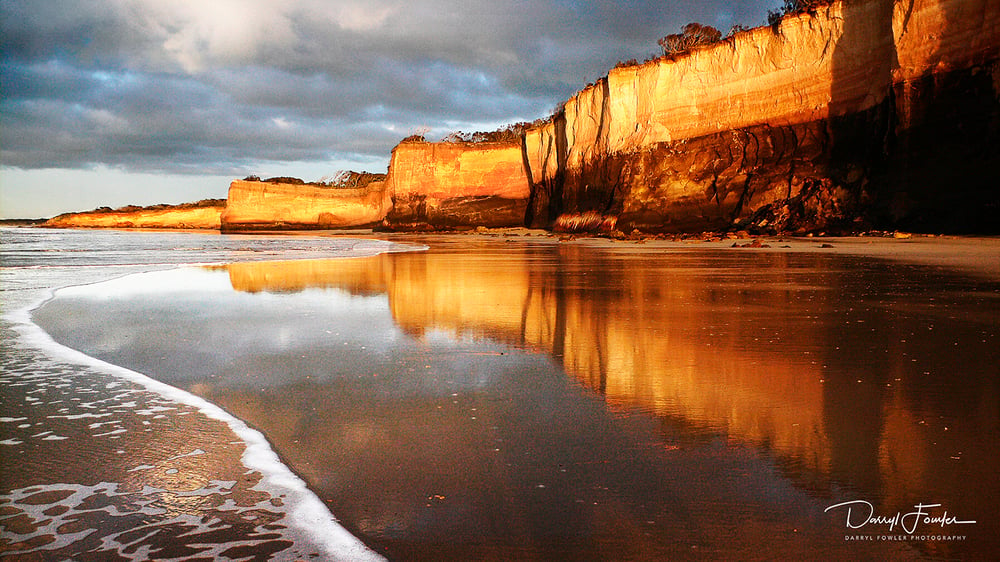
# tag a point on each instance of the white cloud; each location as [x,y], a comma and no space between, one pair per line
[363,16]
[106,122]
[199,34]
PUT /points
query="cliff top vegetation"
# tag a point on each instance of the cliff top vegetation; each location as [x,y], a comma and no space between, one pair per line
[692,35]
[344,179]
[158,207]
[794,7]
[349,179]
[695,35]
[507,133]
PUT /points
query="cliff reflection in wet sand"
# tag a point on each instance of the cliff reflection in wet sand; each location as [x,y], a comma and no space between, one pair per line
[862,379]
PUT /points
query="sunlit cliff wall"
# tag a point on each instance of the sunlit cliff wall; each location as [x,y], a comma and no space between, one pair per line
[192,217]
[861,113]
[255,205]
[844,104]
[457,184]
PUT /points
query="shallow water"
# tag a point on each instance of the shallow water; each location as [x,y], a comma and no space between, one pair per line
[537,400]
[103,463]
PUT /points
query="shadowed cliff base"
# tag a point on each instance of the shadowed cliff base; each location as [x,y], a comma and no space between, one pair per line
[942,172]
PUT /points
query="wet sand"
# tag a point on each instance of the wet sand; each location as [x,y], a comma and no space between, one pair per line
[99,463]
[107,479]
[976,255]
[466,425]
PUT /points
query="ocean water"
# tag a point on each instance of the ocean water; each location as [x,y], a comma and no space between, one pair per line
[103,463]
[467,398]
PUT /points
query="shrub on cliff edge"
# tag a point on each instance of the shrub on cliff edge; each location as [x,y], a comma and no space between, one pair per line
[793,7]
[284,179]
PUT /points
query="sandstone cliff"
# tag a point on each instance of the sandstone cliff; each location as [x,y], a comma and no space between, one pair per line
[449,185]
[858,114]
[201,215]
[259,205]
[875,113]
[868,106]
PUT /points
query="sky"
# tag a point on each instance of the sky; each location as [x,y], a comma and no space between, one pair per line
[118,102]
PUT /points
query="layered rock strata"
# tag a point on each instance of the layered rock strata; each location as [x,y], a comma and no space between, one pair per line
[455,185]
[884,107]
[258,205]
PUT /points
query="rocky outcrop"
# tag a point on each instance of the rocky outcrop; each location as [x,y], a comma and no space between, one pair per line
[430,186]
[201,215]
[262,205]
[455,185]
[874,100]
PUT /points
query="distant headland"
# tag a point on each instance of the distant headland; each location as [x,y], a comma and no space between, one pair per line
[837,117]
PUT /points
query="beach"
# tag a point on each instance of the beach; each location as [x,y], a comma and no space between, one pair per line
[502,395]
[103,463]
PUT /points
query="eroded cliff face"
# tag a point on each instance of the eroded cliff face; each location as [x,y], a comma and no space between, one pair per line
[449,185]
[182,216]
[837,112]
[860,114]
[256,205]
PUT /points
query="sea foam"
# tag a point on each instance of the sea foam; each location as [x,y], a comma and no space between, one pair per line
[305,514]
[305,511]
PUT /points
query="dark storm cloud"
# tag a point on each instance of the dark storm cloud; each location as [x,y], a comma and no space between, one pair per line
[212,86]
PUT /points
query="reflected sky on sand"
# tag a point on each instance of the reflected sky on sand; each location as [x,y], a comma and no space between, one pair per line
[545,401]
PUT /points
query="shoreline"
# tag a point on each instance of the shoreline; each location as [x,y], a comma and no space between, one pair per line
[253,501]
[975,254]
[277,407]
[972,253]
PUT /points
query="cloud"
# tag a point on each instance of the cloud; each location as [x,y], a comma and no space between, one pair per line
[197,86]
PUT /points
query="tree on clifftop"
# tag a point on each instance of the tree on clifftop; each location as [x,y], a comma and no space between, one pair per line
[692,35]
